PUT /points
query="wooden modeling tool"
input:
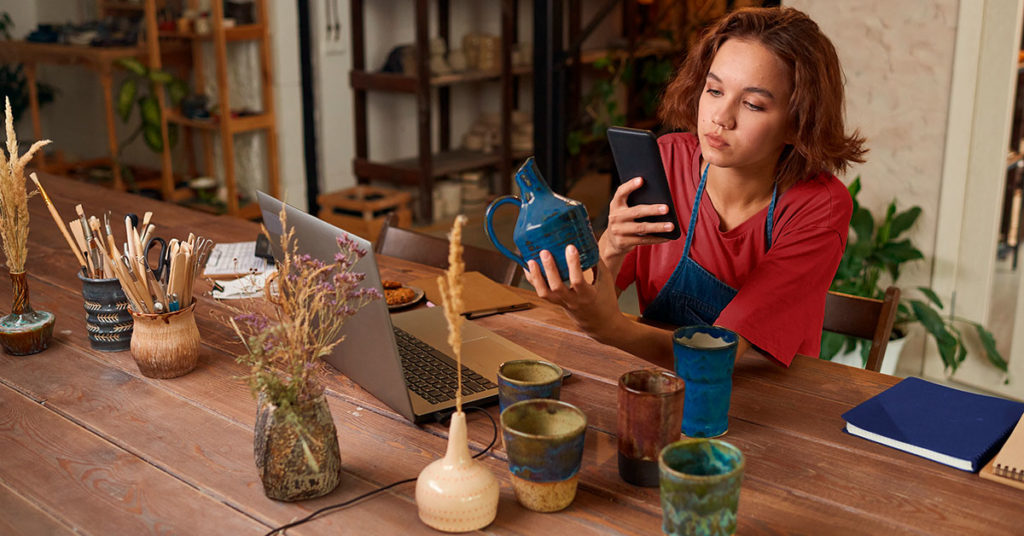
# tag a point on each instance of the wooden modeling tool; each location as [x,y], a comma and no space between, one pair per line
[59,221]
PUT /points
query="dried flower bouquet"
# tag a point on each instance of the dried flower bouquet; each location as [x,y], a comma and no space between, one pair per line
[300,322]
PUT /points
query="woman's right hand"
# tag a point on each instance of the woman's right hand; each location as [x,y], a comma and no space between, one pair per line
[625,233]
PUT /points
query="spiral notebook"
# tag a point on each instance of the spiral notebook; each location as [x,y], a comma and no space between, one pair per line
[1007,466]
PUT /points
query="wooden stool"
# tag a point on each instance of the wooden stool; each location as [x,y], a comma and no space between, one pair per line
[362,210]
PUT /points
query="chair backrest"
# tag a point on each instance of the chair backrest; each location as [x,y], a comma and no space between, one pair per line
[865,318]
[433,251]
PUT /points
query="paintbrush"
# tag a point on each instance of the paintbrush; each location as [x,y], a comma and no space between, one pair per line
[59,222]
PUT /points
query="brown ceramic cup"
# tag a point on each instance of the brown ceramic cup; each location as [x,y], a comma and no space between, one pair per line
[650,415]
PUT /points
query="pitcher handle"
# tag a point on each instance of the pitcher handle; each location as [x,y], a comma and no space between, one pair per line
[490,227]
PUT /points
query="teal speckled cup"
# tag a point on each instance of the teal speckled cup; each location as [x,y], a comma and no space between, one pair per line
[544,442]
[700,487]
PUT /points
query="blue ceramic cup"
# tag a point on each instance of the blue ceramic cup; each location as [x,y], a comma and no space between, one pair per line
[544,443]
[525,379]
[700,487]
[704,358]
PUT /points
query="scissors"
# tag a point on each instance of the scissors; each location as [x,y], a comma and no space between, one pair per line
[163,261]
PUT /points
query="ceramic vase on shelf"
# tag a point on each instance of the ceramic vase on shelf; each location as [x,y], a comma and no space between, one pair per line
[24,331]
[283,451]
[457,493]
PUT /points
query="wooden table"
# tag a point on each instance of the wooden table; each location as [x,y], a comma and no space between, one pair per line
[88,445]
[98,59]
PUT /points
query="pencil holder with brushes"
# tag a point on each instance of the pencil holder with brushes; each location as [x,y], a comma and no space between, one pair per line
[107,316]
[166,345]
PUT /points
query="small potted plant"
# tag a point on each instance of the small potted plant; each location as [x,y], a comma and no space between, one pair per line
[285,338]
[874,258]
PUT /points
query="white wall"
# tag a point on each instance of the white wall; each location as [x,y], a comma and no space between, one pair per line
[898,61]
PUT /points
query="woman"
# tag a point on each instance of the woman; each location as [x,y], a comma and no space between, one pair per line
[753,182]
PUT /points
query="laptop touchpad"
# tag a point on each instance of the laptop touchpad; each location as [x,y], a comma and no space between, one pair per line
[484,355]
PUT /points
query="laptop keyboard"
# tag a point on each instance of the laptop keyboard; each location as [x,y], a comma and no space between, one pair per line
[431,374]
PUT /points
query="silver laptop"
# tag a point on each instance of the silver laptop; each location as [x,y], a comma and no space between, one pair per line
[377,352]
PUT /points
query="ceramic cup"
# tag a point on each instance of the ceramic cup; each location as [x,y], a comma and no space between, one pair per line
[108,319]
[166,345]
[544,443]
[700,487]
[704,357]
[650,415]
[524,379]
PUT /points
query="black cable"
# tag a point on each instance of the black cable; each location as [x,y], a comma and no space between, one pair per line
[494,439]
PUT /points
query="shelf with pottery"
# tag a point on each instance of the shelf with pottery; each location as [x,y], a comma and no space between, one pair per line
[240,123]
[219,30]
[402,83]
[427,69]
[245,32]
[651,48]
[407,170]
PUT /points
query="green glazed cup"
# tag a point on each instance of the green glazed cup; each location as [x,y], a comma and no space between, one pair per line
[524,379]
[700,487]
[544,442]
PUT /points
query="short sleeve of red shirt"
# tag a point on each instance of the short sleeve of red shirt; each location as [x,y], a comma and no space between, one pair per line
[780,302]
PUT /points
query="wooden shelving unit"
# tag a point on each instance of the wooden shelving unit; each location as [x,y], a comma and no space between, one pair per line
[224,122]
[420,171]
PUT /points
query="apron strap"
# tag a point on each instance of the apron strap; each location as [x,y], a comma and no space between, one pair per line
[771,214]
[693,212]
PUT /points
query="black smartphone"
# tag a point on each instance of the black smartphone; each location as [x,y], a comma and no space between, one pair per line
[636,154]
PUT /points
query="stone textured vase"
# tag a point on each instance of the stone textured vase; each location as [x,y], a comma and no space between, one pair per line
[283,451]
[457,493]
[25,331]
[166,345]
[547,221]
[107,316]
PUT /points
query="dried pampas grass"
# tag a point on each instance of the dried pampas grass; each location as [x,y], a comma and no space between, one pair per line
[14,198]
[451,298]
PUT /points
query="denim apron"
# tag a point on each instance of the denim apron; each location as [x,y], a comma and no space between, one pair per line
[692,295]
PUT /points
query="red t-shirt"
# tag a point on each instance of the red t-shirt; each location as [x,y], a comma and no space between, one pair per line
[780,302]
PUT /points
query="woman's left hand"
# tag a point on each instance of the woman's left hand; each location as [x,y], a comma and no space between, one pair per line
[592,304]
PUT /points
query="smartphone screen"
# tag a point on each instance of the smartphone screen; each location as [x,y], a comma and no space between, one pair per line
[636,154]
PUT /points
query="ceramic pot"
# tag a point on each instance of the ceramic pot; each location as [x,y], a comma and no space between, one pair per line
[547,221]
[108,319]
[283,451]
[166,345]
[457,493]
[25,331]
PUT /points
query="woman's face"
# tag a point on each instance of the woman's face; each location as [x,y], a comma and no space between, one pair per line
[743,115]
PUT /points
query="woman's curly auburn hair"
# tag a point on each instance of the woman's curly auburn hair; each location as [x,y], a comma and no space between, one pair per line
[815,107]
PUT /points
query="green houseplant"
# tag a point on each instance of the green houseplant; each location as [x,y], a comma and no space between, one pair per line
[879,250]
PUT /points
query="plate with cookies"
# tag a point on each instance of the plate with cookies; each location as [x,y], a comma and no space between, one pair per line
[399,296]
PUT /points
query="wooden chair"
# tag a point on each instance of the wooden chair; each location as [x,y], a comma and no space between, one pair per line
[433,251]
[865,318]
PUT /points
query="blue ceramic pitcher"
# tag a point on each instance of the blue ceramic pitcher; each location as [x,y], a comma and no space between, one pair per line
[546,221]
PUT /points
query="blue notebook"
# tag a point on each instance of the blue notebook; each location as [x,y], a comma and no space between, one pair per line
[947,425]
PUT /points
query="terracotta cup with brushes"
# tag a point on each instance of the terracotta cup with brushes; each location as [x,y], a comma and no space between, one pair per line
[166,345]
